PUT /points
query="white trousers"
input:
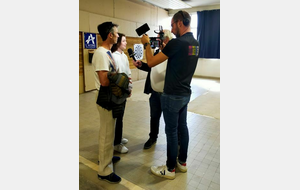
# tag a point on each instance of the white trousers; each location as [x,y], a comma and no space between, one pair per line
[105,140]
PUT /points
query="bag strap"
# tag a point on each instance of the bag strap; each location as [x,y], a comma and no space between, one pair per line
[112,62]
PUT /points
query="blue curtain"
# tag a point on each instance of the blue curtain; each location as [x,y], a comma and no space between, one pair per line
[208,34]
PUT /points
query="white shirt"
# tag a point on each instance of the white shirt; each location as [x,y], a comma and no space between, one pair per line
[157,76]
[122,65]
[101,62]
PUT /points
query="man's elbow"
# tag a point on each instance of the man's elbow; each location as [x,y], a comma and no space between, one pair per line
[150,63]
[104,81]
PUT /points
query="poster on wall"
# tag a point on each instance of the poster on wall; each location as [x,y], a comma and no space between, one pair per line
[90,41]
[138,51]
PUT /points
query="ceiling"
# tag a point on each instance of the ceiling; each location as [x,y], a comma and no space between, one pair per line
[180,4]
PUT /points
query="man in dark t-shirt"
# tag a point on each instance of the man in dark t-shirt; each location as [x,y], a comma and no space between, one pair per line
[182,54]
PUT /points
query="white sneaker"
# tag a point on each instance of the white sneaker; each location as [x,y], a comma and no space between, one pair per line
[124,141]
[162,171]
[121,148]
[181,167]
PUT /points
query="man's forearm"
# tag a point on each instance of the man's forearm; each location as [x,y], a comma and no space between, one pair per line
[149,55]
[103,78]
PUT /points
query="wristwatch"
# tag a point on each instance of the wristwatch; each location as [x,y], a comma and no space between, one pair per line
[145,44]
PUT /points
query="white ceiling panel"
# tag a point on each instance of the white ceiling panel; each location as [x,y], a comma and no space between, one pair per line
[180,4]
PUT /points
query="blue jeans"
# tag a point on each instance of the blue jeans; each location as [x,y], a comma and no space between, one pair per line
[175,113]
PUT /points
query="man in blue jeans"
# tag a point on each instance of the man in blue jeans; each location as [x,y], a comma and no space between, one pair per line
[182,54]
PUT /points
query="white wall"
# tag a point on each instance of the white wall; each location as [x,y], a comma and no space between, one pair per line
[208,68]
[126,14]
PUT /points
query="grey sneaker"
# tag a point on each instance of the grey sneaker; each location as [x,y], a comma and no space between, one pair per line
[121,148]
[124,141]
[181,167]
[162,171]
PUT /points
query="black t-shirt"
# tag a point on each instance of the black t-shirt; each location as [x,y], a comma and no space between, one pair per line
[182,55]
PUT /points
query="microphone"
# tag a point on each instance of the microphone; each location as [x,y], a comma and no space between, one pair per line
[142,29]
[131,54]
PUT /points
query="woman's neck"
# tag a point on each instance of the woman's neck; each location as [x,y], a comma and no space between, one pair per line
[120,51]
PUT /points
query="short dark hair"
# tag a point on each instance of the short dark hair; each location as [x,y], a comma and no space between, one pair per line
[117,45]
[105,28]
[183,16]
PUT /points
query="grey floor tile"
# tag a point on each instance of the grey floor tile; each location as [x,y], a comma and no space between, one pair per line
[204,148]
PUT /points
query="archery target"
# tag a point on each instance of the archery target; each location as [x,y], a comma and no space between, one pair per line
[138,51]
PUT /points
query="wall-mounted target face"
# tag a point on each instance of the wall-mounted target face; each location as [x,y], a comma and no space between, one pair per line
[138,51]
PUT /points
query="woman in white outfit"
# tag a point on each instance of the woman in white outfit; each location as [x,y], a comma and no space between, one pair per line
[122,66]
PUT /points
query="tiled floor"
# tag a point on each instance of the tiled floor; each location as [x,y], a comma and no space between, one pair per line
[134,168]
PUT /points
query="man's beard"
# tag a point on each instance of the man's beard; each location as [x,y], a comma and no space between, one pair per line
[177,33]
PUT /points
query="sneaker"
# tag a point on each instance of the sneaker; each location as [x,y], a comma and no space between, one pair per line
[124,141]
[162,171]
[121,148]
[111,178]
[114,160]
[181,167]
[149,143]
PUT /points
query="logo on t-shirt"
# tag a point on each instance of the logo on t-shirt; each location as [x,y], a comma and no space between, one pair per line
[194,50]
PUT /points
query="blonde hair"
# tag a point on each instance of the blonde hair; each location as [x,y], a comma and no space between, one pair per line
[167,33]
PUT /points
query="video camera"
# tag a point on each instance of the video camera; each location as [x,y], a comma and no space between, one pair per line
[154,42]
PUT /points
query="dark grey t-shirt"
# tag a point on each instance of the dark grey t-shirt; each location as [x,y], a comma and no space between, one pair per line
[182,55]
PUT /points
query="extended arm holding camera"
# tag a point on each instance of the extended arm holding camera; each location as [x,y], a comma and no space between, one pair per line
[152,60]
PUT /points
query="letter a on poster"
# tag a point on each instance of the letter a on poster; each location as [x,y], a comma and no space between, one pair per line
[90,41]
